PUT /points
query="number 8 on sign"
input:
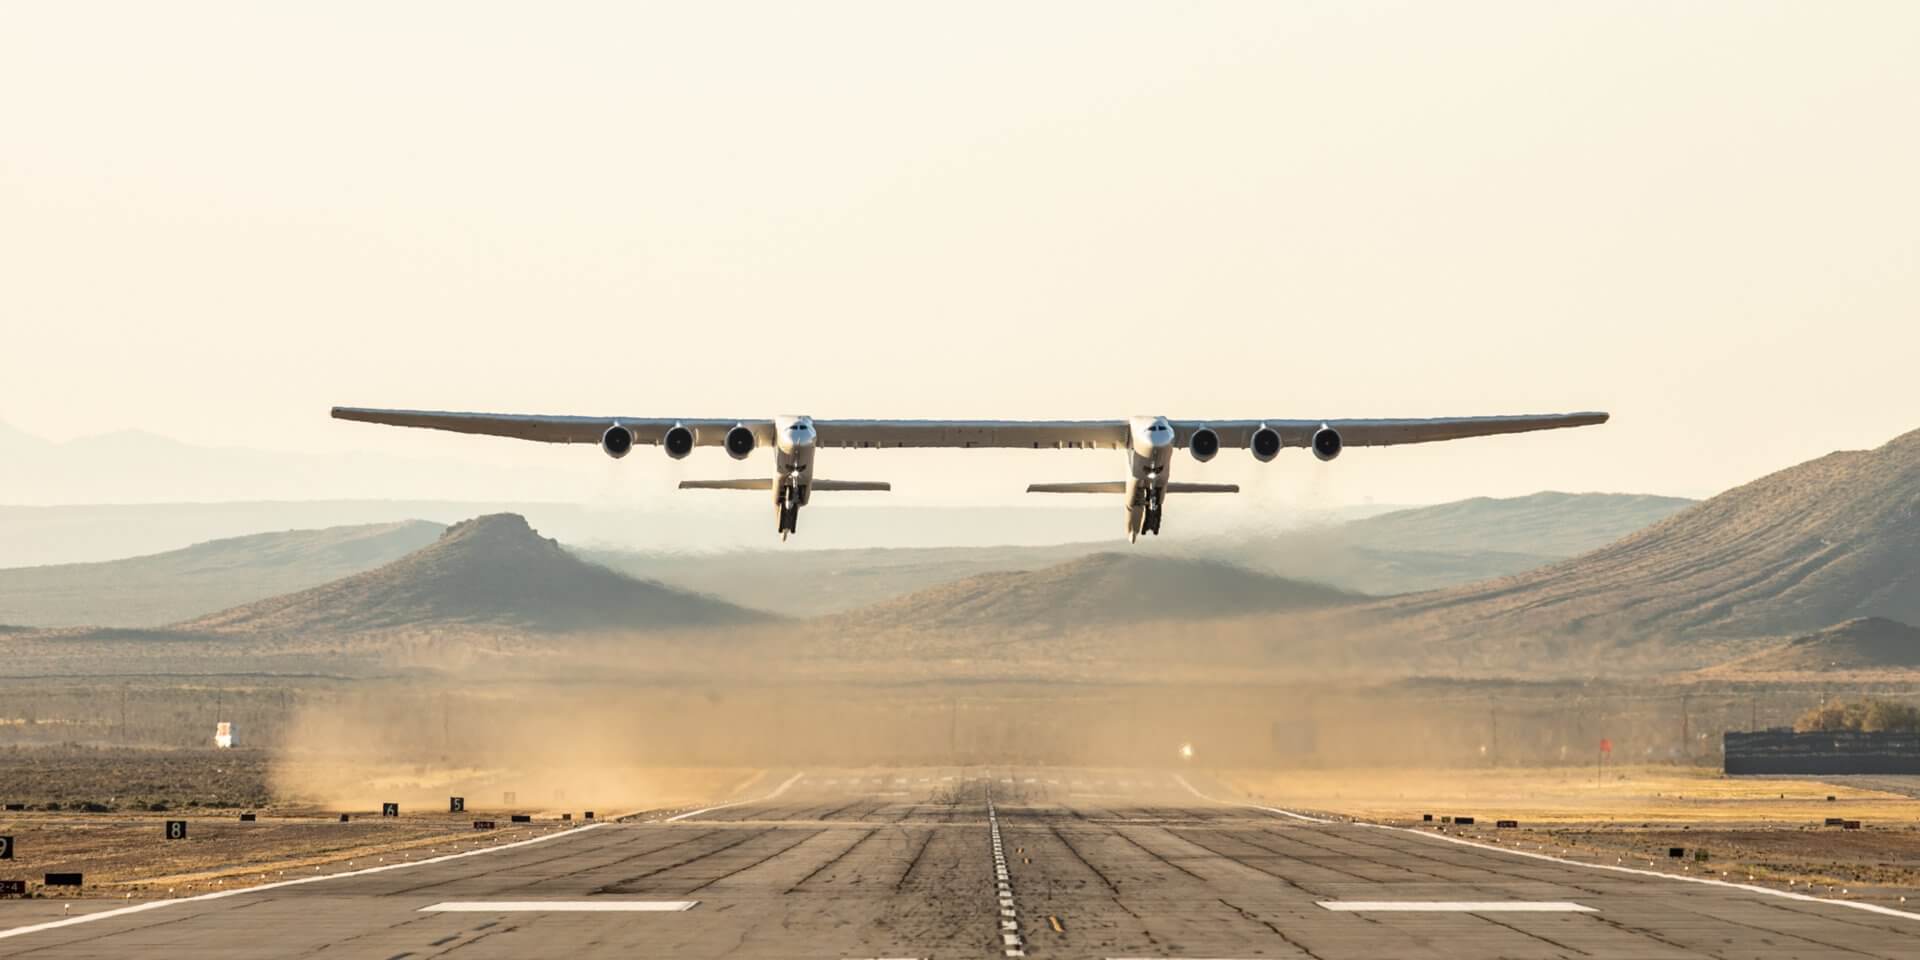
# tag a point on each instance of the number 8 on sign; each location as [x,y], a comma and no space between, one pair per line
[176,829]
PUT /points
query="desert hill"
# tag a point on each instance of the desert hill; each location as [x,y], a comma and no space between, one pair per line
[1549,523]
[1828,540]
[1104,588]
[173,586]
[492,570]
[1865,643]
[1420,548]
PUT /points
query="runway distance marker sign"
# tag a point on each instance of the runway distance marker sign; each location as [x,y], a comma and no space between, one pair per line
[13,888]
[176,829]
[63,879]
[6,848]
[389,809]
[456,804]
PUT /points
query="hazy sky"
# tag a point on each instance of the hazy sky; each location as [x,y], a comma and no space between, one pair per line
[216,220]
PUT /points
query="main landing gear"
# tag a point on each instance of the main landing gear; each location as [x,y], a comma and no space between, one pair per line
[789,505]
[1145,517]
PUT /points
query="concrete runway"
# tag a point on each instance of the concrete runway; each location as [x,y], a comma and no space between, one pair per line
[866,864]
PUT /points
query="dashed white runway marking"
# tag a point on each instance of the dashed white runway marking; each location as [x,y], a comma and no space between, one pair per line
[1010,941]
[561,906]
[1454,906]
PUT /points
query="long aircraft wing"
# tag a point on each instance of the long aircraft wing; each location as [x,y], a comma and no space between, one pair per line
[553,429]
[1238,434]
[1035,434]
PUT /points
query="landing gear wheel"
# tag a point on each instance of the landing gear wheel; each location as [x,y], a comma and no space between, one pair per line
[1150,519]
[789,513]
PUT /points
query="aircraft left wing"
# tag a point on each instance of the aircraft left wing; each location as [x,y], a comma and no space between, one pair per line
[1238,434]
[553,429]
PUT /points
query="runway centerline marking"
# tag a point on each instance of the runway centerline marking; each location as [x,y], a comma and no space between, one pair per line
[560,906]
[1454,906]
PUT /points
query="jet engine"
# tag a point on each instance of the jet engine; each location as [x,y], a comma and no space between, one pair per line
[1203,444]
[1326,443]
[678,441]
[740,442]
[617,441]
[1265,444]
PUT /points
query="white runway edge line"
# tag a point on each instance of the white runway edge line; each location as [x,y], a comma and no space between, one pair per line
[1613,868]
[1636,871]
[316,878]
[1454,906]
[722,806]
[1236,803]
[561,906]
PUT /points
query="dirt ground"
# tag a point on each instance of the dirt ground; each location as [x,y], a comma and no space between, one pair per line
[1765,830]
[103,813]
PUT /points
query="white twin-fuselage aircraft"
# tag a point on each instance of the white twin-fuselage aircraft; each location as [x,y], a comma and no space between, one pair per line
[1148,441]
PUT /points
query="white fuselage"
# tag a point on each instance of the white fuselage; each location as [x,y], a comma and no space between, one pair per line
[1149,459]
[794,442]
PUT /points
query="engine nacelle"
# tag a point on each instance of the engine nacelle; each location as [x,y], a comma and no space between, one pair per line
[617,441]
[677,441]
[740,441]
[1326,443]
[1203,444]
[1265,443]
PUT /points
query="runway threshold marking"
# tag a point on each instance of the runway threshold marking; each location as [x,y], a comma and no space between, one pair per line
[1454,906]
[722,806]
[277,884]
[561,906]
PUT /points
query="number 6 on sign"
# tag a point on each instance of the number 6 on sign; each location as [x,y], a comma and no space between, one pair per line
[176,829]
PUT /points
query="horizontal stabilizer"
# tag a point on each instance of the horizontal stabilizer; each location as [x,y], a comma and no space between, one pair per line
[764,483]
[1120,486]
[818,486]
[1203,488]
[849,486]
[1097,486]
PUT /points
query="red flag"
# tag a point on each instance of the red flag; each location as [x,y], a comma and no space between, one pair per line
[1606,745]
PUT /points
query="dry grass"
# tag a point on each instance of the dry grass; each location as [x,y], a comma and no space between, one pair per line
[1570,795]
